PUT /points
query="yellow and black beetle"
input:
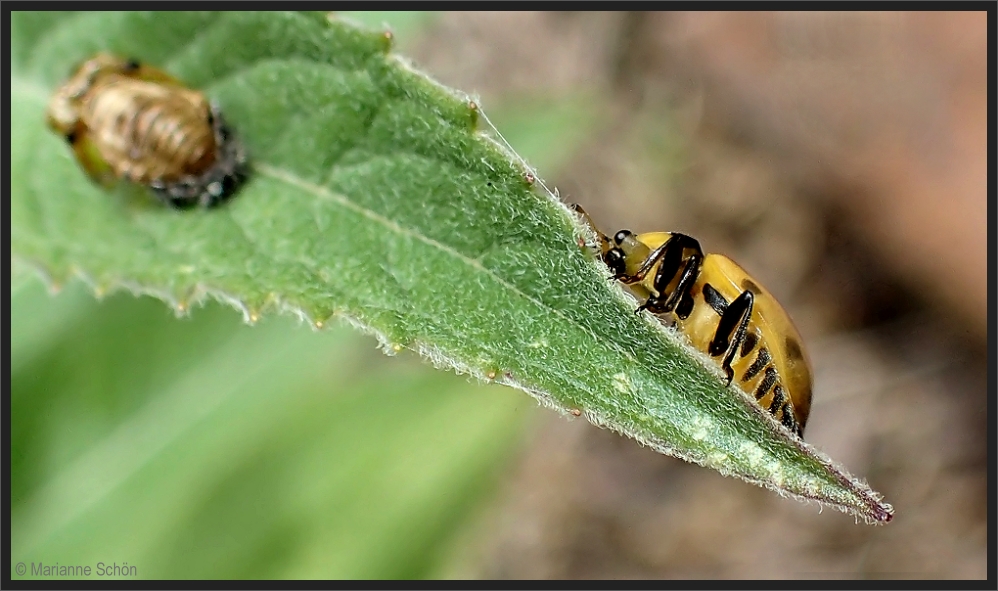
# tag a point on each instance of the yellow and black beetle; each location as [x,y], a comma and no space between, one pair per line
[722,311]
[129,120]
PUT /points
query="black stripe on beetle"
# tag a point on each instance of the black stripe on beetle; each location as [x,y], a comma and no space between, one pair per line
[766,384]
[751,339]
[714,299]
[778,398]
[762,359]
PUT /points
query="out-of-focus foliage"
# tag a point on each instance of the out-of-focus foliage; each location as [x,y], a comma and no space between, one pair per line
[205,448]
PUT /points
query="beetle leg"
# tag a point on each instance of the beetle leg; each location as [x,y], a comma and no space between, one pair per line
[670,256]
[689,276]
[660,303]
[673,249]
[656,255]
[731,330]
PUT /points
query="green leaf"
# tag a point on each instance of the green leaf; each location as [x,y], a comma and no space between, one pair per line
[375,199]
[205,448]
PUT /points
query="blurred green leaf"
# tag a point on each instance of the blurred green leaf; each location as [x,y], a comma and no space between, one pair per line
[38,324]
[375,199]
[268,452]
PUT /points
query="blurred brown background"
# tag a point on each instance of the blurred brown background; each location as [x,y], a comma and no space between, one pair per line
[841,158]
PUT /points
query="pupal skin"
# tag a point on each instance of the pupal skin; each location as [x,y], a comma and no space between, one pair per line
[128,120]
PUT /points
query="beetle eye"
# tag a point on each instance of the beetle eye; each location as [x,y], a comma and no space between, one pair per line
[620,236]
[614,258]
[131,65]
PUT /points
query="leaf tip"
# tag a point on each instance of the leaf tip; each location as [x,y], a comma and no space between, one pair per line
[883,513]
[876,511]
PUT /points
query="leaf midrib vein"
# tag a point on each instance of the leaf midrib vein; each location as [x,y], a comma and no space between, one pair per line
[324,193]
[31,88]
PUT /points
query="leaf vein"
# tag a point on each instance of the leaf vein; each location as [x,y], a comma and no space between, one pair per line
[325,194]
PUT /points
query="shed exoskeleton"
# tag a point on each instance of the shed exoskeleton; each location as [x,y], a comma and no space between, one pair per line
[128,120]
